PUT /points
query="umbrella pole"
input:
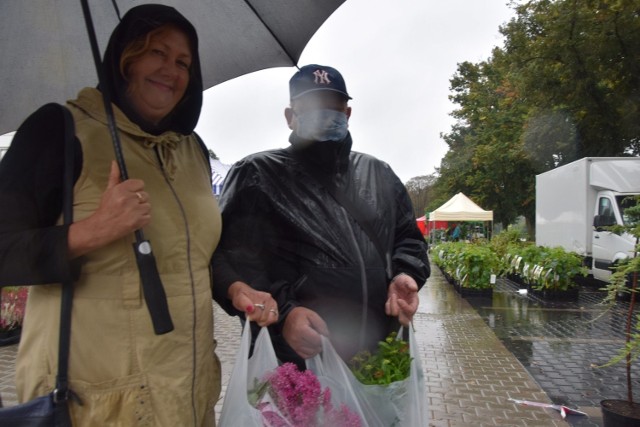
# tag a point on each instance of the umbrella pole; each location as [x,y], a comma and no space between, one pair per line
[154,294]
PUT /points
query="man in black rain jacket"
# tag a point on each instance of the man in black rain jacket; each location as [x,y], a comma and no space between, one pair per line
[328,231]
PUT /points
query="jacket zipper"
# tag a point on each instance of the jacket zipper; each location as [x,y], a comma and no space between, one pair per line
[363,281]
[193,297]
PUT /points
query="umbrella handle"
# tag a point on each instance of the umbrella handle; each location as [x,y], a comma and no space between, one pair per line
[153,290]
[104,86]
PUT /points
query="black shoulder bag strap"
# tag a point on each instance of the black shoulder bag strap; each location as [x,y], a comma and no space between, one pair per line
[62,393]
[357,213]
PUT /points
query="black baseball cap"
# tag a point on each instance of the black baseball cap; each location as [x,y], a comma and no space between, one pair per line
[314,77]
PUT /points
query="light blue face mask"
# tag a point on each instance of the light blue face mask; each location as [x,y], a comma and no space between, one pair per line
[322,125]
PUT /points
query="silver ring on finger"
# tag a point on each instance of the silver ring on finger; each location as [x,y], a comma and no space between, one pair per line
[260,306]
[273,311]
[139,196]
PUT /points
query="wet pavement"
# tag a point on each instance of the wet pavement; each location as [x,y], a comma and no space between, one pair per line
[563,344]
[470,374]
[475,359]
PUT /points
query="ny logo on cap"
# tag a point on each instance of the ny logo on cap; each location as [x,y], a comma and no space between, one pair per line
[321,77]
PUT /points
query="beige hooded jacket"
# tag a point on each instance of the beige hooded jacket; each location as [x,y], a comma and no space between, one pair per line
[124,374]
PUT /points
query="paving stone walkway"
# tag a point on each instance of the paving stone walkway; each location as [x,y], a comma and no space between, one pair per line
[470,374]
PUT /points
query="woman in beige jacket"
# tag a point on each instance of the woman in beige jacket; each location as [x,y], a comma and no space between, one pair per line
[123,373]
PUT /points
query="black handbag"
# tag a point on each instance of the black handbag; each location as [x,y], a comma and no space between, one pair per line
[52,410]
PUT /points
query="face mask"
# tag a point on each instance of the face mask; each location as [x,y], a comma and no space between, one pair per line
[322,125]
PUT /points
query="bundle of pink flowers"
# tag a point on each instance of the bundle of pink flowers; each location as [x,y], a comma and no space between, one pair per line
[13,300]
[297,400]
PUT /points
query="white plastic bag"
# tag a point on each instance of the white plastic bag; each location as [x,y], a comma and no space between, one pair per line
[399,404]
[236,409]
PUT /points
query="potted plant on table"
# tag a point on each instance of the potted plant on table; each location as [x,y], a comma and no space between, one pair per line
[621,413]
[13,300]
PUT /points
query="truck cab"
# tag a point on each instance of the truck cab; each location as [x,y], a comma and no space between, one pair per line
[576,202]
[609,248]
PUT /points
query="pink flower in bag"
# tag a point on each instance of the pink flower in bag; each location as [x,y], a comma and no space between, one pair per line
[13,300]
[296,399]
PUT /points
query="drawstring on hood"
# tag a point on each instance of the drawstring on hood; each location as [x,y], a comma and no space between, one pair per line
[136,23]
[166,145]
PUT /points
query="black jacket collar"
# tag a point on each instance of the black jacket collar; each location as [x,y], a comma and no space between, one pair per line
[327,156]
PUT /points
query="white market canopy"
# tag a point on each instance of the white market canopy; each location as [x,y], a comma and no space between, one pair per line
[460,208]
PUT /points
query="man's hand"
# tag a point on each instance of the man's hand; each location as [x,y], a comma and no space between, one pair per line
[259,307]
[302,331]
[402,300]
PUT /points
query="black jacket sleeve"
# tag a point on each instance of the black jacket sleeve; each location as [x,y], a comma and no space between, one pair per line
[245,252]
[410,249]
[33,250]
[240,253]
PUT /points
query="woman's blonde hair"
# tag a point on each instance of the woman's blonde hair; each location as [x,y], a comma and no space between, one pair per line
[138,47]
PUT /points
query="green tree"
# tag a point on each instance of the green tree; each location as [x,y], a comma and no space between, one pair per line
[578,64]
[420,189]
[486,159]
[565,85]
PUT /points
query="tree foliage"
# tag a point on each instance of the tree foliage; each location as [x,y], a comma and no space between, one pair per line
[565,85]
[420,189]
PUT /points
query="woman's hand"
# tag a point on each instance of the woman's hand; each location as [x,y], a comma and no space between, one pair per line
[124,208]
[258,306]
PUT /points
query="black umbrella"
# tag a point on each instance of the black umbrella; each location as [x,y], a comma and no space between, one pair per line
[46,52]
[46,59]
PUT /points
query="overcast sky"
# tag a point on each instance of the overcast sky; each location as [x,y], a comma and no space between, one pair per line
[396,57]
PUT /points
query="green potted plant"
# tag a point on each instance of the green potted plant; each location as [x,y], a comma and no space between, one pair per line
[503,242]
[519,260]
[477,267]
[444,256]
[554,275]
[621,413]
[13,300]
[547,272]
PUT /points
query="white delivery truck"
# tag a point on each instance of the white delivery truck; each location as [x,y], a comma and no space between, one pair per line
[575,201]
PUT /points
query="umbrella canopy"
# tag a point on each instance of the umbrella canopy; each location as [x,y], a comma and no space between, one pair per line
[47,57]
[460,208]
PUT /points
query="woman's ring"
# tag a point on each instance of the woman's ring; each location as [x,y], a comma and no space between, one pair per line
[273,311]
[260,306]
[139,196]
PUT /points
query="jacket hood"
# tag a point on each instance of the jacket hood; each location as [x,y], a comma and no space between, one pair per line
[137,22]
